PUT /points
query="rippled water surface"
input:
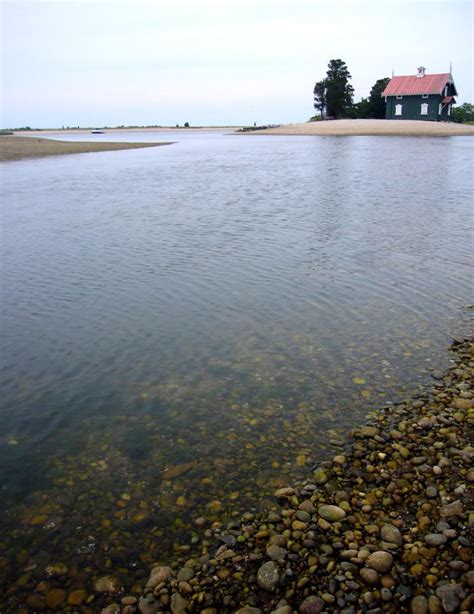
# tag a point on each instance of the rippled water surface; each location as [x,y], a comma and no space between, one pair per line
[187,327]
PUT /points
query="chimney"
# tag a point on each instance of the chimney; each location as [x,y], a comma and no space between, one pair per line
[421,72]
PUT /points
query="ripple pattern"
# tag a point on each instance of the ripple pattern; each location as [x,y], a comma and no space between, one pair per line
[124,271]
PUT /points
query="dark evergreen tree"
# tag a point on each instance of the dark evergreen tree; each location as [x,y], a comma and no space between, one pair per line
[376,107]
[319,93]
[339,91]
[359,110]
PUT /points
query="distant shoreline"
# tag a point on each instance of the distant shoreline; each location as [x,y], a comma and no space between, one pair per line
[119,130]
[369,127]
[340,127]
[20,148]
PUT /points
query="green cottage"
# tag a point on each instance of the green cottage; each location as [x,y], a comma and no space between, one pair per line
[420,96]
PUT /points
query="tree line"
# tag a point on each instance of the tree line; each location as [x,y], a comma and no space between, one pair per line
[333,98]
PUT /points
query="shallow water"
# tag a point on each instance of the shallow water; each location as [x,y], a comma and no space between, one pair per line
[231,303]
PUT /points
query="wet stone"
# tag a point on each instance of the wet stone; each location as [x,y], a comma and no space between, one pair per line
[276,553]
[185,575]
[268,576]
[331,513]
[320,476]
[369,431]
[171,473]
[158,575]
[451,509]
[284,493]
[312,605]
[381,561]
[77,597]
[55,597]
[451,596]
[179,605]
[148,605]
[35,602]
[391,534]
[419,605]
[369,576]
[435,539]
[107,584]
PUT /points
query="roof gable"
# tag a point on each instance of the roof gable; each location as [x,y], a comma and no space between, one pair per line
[411,85]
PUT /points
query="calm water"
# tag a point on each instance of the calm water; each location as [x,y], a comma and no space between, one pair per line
[229,302]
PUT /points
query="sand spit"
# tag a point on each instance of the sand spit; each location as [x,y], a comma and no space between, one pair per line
[382,527]
[370,127]
[164,129]
[19,148]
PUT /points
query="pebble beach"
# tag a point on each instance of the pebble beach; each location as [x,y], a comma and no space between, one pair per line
[382,527]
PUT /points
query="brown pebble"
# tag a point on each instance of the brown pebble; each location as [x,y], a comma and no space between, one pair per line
[434,605]
[55,597]
[369,576]
[312,605]
[380,561]
[419,605]
[77,597]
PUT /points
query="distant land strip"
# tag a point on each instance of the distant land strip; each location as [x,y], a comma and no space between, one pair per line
[19,147]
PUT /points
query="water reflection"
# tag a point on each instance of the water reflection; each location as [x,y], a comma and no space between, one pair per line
[187,328]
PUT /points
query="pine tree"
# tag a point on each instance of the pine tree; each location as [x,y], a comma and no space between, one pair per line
[333,95]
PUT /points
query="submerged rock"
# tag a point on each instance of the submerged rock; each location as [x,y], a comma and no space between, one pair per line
[171,473]
[107,584]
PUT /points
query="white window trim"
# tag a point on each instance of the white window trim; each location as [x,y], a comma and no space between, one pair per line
[398,109]
[424,108]
[425,96]
[440,108]
[449,110]
[399,97]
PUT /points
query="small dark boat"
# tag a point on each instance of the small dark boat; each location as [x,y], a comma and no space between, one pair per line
[97,132]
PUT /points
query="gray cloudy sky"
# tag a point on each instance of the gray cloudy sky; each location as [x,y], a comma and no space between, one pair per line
[216,62]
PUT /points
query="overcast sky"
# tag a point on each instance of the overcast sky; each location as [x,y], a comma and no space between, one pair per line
[217,62]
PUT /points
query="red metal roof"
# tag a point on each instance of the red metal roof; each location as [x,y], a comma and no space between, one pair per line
[411,85]
[447,99]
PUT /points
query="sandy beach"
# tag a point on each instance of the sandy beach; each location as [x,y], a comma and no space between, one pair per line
[19,148]
[370,127]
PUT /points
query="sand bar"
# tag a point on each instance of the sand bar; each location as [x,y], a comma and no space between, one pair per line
[19,148]
[370,127]
[164,129]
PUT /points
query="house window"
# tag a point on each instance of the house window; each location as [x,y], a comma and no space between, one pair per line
[398,109]
[425,95]
[399,97]
[446,91]
[449,110]
[440,108]
[424,109]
